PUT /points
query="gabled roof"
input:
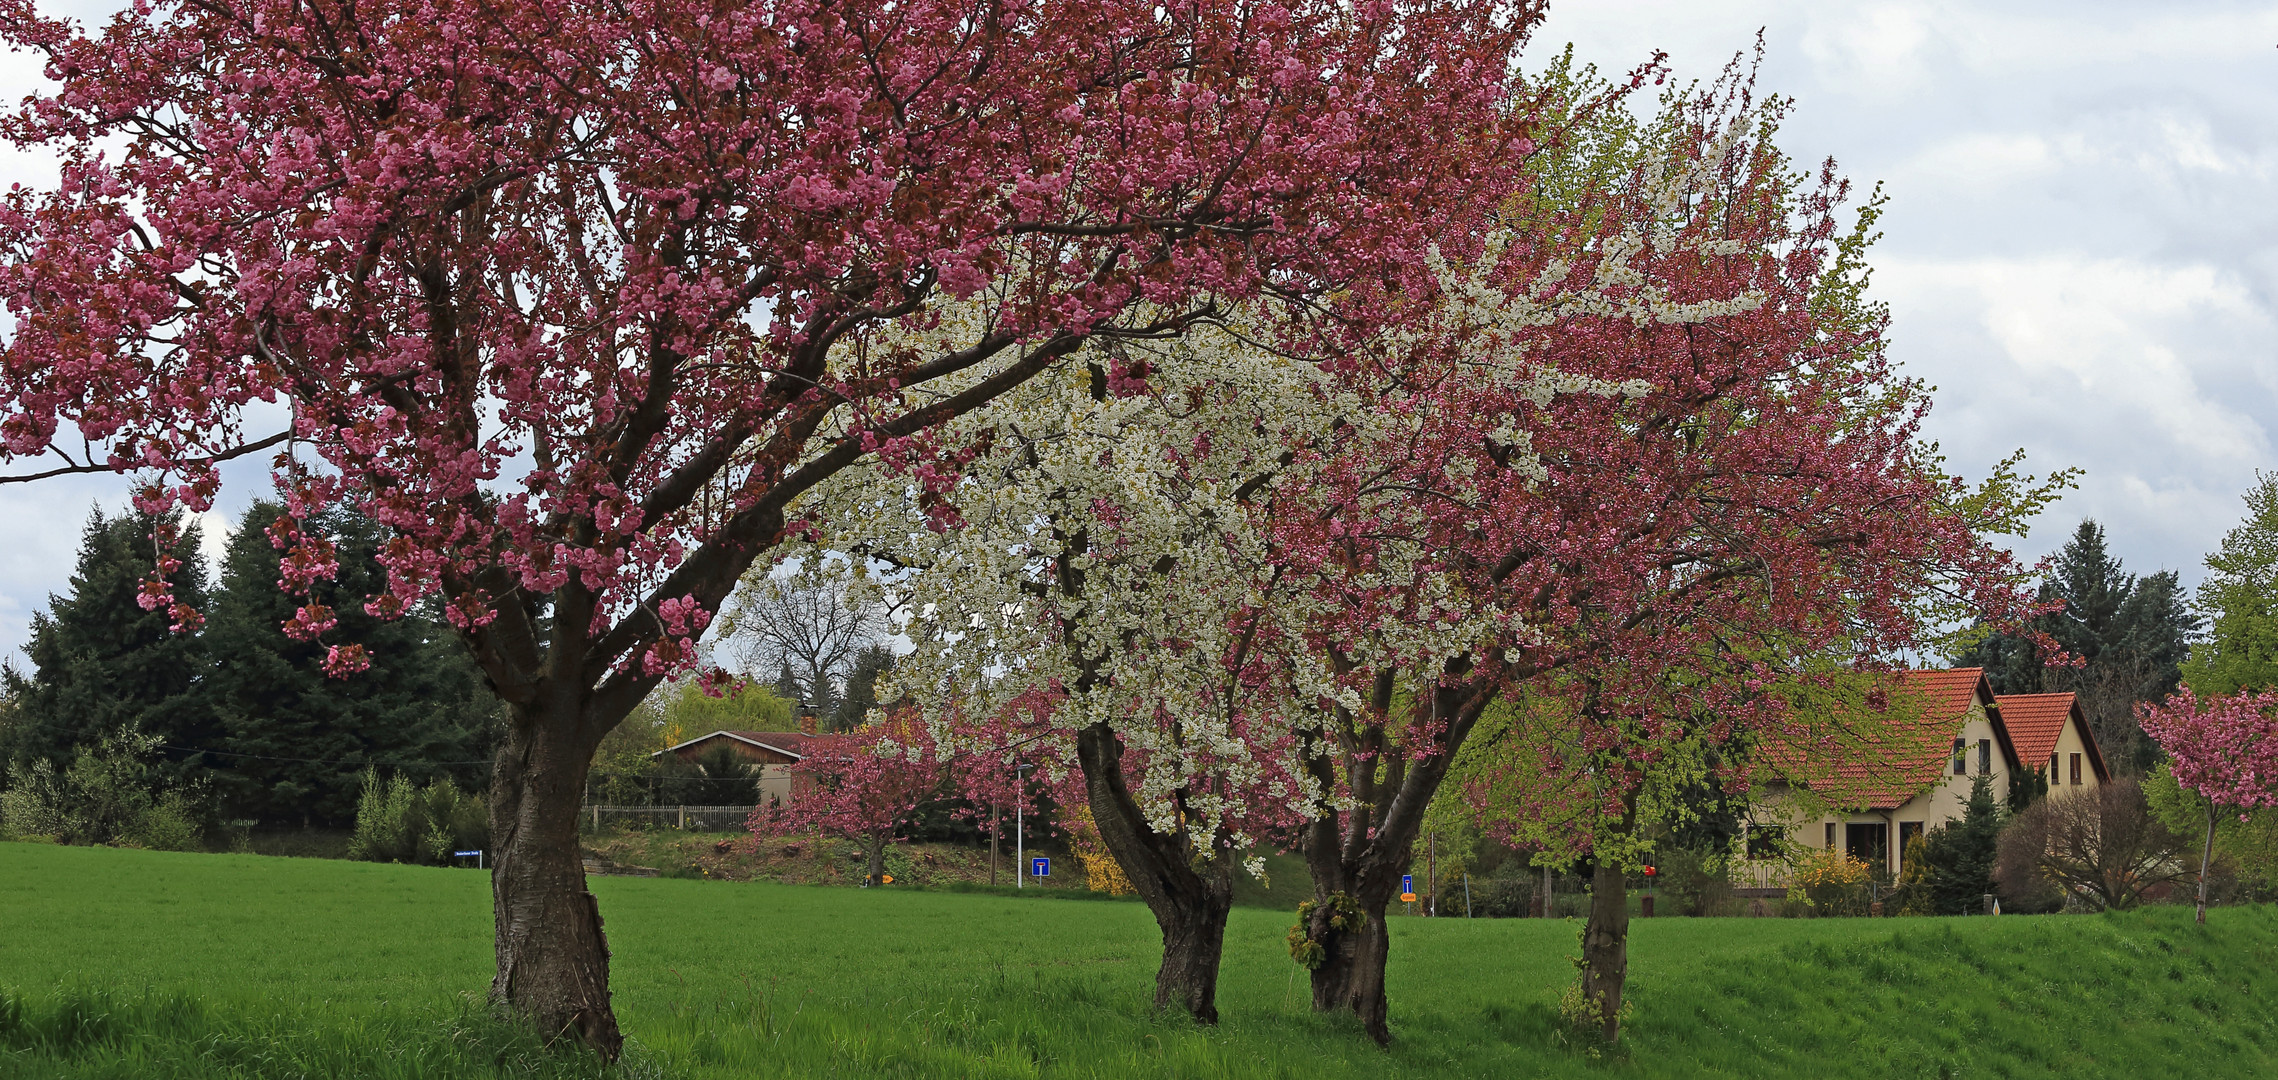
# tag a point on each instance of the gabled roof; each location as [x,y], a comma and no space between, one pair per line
[790,744]
[2035,721]
[1904,752]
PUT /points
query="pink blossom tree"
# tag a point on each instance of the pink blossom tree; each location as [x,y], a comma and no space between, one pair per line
[2225,749]
[1729,477]
[861,785]
[578,298]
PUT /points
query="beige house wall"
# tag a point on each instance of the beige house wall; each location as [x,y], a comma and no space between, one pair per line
[1943,803]
[2069,743]
[775,784]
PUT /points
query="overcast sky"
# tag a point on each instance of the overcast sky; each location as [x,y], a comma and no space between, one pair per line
[2079,250]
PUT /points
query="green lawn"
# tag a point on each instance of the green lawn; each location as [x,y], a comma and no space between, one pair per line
[140,964]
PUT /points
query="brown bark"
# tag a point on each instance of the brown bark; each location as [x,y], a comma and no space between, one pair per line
[1188,886]
[1605,948]
[876,849]
[2206,860]
[1357,856]
[1351,974]
[553,961]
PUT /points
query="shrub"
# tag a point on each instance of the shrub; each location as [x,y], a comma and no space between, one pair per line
[110,793]
[396,822]
[1832,882]
[2102,848]
[1694,881]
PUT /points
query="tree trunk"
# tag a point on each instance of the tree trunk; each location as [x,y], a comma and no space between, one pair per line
[1190,891]
[1605,948]
[553,962]
[877,868]
[1351,973]
[2206,860]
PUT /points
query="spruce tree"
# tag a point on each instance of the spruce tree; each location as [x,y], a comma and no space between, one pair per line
[301,739]
[100,663]
[2130,634]
[1958,857]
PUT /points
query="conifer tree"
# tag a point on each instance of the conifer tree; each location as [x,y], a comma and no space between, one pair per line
[298,741]
[100,662]
[1958,857]
[2129,634]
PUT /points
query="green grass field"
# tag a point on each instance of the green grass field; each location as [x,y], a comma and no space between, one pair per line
[138,964]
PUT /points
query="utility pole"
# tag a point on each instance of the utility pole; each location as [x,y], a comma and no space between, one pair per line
[1020,829]
[1431,875]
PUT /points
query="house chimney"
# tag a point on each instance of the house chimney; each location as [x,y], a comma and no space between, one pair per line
[806,718]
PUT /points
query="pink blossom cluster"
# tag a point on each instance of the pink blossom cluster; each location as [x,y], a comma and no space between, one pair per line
[577,298]
[2224,748]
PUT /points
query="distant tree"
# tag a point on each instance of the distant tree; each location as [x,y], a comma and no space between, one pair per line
[298,741]
[682,710]
[101,663]
[2240,600]
[2103,847]
[809,626]
[861,696]
[865,786]
[2130,634]
[1958,857]
[2222,748]
[2246,844]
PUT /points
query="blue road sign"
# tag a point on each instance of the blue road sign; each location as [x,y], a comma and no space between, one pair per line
[466,854]
[1040,866]
[1407,883]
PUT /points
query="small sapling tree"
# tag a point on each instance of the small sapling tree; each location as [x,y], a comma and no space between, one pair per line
[2224,749]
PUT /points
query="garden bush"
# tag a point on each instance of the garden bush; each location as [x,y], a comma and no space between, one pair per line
[396,822]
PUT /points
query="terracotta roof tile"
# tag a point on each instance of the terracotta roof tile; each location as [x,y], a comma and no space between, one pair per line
[2035,721]
[1907,750]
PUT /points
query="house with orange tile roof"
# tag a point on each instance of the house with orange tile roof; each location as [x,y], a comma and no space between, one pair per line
[2053,738]
[1900,772]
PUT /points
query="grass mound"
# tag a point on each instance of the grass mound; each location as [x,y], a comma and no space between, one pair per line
[134,964]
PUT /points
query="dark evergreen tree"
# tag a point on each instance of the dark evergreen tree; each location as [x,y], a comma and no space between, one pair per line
[861,696]
[100,663]
[2131,636]
[301,739]
[1958,856]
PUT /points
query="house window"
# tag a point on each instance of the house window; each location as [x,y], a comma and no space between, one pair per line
[1961,758]
[2052,767]
[1868,843]
[1984,756]
[2075,768]
[1830,836]
[1764,841]
[1908,832]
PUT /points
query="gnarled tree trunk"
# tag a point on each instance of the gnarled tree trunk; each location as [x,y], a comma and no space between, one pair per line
[1357,856]
[1351,972]
[1605,948]
[1188,890]
[553,962]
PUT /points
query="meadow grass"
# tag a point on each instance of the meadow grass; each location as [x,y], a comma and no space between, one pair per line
[134,964]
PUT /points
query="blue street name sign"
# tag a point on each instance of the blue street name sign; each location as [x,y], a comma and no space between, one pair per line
[466,854]
[1040,866]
